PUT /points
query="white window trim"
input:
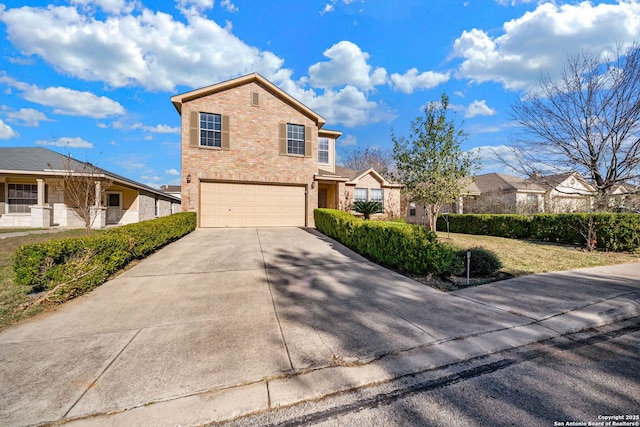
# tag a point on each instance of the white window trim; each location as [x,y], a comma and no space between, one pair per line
[302,141]
[323,150]
[215,132]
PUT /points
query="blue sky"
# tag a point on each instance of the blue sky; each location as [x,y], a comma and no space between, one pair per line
[94,77]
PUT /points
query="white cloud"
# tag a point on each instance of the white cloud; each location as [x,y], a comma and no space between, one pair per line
[411,80]
[347,66]
[6,132]
[228,4]
[516,58]
[156,51]
[490,158]
[109,6]
[479,108]
[28,117]
[133,164]
[195,5]
[67,142]
[348,106]
[327,8]
[156,128]
[67,101]
[150,49]
[172,172]
[347,140]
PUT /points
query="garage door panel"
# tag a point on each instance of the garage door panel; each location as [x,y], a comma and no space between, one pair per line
[251,205]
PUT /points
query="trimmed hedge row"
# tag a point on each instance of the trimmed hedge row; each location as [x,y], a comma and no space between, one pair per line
[513,226]
[405,247]
[77,265]
[613,231]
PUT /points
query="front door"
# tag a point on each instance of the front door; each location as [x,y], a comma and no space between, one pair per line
[114,208]
[322,197]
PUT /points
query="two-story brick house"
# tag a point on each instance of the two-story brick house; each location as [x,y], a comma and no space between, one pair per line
[252,155]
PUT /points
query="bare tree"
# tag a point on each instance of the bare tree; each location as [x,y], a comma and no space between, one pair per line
[84,188]
[362,159]
[588,120]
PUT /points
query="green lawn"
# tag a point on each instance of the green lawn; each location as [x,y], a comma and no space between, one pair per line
[14,230]
[13,296]
[520,257]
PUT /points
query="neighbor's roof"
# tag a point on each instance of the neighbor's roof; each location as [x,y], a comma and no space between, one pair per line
[180,99]
[501,183]
[42,161]
[345,174]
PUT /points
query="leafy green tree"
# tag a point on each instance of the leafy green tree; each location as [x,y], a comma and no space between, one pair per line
[367,207]
[430,163]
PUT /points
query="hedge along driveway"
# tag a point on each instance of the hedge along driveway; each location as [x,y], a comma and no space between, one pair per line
[404,247]
[67,268]
[613,231]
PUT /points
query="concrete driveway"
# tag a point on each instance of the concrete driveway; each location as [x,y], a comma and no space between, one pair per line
[273,315]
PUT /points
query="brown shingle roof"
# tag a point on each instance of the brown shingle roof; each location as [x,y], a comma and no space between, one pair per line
[501,183]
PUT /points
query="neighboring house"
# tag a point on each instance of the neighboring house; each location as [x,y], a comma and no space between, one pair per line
[566,192]
[252,155]
[497,193]
[340,188]
[174,190]
[625,197]
[416,213]
[32,193]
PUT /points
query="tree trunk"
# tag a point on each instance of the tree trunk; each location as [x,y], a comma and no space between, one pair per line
[432,215]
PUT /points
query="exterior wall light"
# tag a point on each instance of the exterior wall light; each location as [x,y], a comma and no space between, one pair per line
[188,178]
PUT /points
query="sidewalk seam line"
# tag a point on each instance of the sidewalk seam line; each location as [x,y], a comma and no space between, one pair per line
[101,374]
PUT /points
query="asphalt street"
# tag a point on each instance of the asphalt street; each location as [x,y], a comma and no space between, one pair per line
[588,377]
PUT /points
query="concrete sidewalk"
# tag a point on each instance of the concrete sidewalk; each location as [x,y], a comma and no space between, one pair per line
[227,322]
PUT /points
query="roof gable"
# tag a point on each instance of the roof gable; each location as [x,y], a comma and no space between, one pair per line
[180,99]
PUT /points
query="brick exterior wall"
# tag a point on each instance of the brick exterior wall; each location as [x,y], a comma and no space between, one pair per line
[391,195]
[254,150]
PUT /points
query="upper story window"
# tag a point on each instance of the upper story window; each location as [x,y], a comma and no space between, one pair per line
[360,194]
[21,197]
[210,130]
[295,139]
[323,150]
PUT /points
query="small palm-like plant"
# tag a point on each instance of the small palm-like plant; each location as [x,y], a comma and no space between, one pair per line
[367,207]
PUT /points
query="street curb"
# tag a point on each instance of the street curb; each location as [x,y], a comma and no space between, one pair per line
[234,402]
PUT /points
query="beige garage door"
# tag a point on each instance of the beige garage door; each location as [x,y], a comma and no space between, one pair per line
[251,205]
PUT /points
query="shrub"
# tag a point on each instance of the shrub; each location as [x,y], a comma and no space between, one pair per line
[484,263]
[609,231]
[70,267]
[405,247]
[505,225]
[367,207]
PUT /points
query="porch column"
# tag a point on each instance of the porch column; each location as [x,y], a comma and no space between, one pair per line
[41,212]
[41,191]
[97,195]
[460,205]
[98,213]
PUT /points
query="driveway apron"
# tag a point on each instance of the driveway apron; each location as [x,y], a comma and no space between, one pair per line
[221,308]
